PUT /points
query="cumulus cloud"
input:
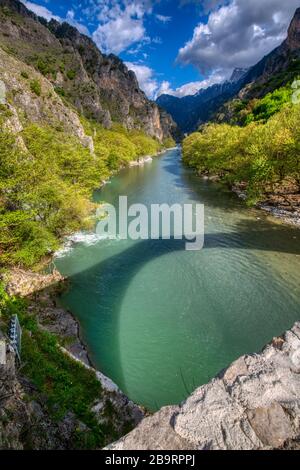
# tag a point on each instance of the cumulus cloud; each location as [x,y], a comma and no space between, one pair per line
[121,24]
[154,88]
[70,18]
[237,34]
[163,18]
[117,35]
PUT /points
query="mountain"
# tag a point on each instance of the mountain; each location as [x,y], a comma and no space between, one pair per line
[276,69]
[98,86]
[238,74]
[189,111]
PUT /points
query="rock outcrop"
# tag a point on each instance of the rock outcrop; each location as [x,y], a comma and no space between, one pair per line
[23,104]
[98,86]
[252,405]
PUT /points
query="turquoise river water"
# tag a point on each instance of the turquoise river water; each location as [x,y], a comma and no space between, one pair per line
[159,320]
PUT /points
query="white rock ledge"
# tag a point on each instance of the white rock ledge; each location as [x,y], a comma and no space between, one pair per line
[141,161]
[252,405]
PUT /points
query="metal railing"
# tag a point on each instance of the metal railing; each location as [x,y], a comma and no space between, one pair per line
[15,335]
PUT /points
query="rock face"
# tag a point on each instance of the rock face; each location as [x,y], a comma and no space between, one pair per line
[254,404]
[22,102]
[274,70]
[24,283]
[277,68]
[99,86]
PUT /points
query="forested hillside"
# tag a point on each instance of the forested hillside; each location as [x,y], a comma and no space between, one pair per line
[70,117]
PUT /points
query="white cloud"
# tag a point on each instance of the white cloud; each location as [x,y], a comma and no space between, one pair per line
[163,18]
[40,10]
[117,35]
[153,88]
[238,34]
[121,25]
[70,18]
[190,88]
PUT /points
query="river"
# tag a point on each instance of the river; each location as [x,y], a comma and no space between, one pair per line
[159,320]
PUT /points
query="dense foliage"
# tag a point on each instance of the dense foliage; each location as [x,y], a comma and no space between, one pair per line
[260,110]
[260,153]
[46,185]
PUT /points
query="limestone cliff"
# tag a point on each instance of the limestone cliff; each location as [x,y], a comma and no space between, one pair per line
[252,405]
[98,86]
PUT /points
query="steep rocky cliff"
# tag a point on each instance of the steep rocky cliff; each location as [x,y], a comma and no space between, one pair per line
[98,86]
[253,405]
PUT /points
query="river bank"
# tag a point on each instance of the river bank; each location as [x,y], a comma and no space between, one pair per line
[282,202]
[41,292]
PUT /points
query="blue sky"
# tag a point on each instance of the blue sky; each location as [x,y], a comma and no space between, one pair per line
[180,46]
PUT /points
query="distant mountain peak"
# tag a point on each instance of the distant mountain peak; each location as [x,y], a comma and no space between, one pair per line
[237,74]
[293,39]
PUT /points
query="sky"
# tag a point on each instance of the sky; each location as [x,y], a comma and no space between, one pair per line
[177,46]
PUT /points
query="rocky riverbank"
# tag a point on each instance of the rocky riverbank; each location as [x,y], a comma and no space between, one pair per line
[141,161]
[42,293]
[252,405]
[281,201]
[147,158]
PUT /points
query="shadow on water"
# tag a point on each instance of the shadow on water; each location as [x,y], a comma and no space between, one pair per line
[262,237]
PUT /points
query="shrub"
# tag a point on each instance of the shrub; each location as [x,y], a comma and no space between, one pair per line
[43,66]
[65,384]
[272,103]
[35,87]
[71,74]
[60,91]
[169,143]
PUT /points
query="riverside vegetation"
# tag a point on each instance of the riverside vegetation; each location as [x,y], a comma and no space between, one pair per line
[54,198]
[45,193]
[262,153]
